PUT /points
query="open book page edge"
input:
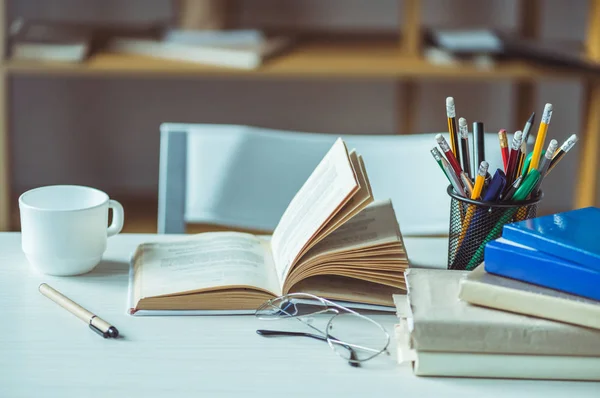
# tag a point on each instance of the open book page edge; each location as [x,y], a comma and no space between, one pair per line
[378,219]
[285,250]
[360,199]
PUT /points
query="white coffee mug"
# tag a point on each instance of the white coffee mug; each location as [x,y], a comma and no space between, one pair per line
[64,227]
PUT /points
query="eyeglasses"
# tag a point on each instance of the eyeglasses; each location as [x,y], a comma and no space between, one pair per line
[353,336]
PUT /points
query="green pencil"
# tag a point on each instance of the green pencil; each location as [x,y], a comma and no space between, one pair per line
[438,158]
[524,190]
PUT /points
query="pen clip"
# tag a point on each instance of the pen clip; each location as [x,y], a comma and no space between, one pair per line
[100,332]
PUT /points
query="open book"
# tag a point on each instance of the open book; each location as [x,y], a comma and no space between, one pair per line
[332,241]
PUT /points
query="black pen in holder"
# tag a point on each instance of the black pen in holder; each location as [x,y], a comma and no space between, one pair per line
[473,223]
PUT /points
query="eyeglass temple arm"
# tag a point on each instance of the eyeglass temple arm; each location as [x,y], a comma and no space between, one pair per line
[275,333]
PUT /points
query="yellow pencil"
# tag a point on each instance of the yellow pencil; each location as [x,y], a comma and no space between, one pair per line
[541,137]
[479,180]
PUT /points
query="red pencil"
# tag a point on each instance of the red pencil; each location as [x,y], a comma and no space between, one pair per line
[504,148]
[449,154]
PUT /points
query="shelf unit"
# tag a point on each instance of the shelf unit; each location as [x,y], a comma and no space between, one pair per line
[398,60]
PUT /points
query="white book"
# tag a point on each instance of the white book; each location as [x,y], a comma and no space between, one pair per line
[489,290]
[243,56]
[490,365]
[441,322]
[506,366]
[243,37]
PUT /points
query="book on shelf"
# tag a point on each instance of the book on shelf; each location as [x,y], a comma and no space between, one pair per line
[333,241]
[245,49]
[506,45]
[48,42]
[493,291]
[69,41]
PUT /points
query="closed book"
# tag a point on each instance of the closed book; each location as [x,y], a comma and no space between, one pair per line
[439,321]
[242,55]
[513,260]
[548,367]
[47,42]
[493,291]
[573,235]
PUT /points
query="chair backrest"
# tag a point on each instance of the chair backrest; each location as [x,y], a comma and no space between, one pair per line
[244,177]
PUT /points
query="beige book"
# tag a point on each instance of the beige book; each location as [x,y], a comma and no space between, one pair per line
[333,240]
[438,321]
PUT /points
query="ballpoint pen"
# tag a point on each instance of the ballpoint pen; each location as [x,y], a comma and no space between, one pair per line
[449,154]
[507,196]
[465,157]
[452,130]
[521,194]
[541,137]
[564,148]
[95,323]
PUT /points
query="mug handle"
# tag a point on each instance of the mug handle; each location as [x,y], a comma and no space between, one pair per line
[118,217]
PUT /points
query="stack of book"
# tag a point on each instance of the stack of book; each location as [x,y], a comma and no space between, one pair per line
[69,42]
[239,49]
[532,310]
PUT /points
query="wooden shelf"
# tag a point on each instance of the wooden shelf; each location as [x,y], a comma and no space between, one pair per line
[320,58]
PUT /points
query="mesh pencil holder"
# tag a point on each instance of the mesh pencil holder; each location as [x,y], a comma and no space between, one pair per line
[474,223]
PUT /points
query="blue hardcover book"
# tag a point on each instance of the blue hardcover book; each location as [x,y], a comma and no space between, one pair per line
[516,261]
[573,235]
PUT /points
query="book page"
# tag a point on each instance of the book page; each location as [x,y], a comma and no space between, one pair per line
[206,261]
[375,225]
[327,189]
[361,198]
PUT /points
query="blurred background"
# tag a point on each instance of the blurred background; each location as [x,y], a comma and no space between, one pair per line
[99,127]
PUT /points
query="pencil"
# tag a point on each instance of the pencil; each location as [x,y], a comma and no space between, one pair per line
[438,158]
[541,137]
[545,164]
[511,172]
[503,148]
[464,146]
[523,152]
[458,188]
[448,152]
[564,148]
[467,183]
[451,115]
[479,180]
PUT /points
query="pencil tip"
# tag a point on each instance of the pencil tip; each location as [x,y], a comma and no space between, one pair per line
[532,117]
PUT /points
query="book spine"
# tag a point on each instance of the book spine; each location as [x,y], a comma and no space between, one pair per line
[546,245]
[507,366]
[541,269]
[578,341]
[504,339]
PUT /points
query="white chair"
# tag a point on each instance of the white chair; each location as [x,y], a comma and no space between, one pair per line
[244,177]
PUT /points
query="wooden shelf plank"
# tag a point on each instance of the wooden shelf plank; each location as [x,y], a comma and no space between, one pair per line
[369,59]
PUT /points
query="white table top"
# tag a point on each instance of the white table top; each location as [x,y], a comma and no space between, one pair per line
[46,351]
